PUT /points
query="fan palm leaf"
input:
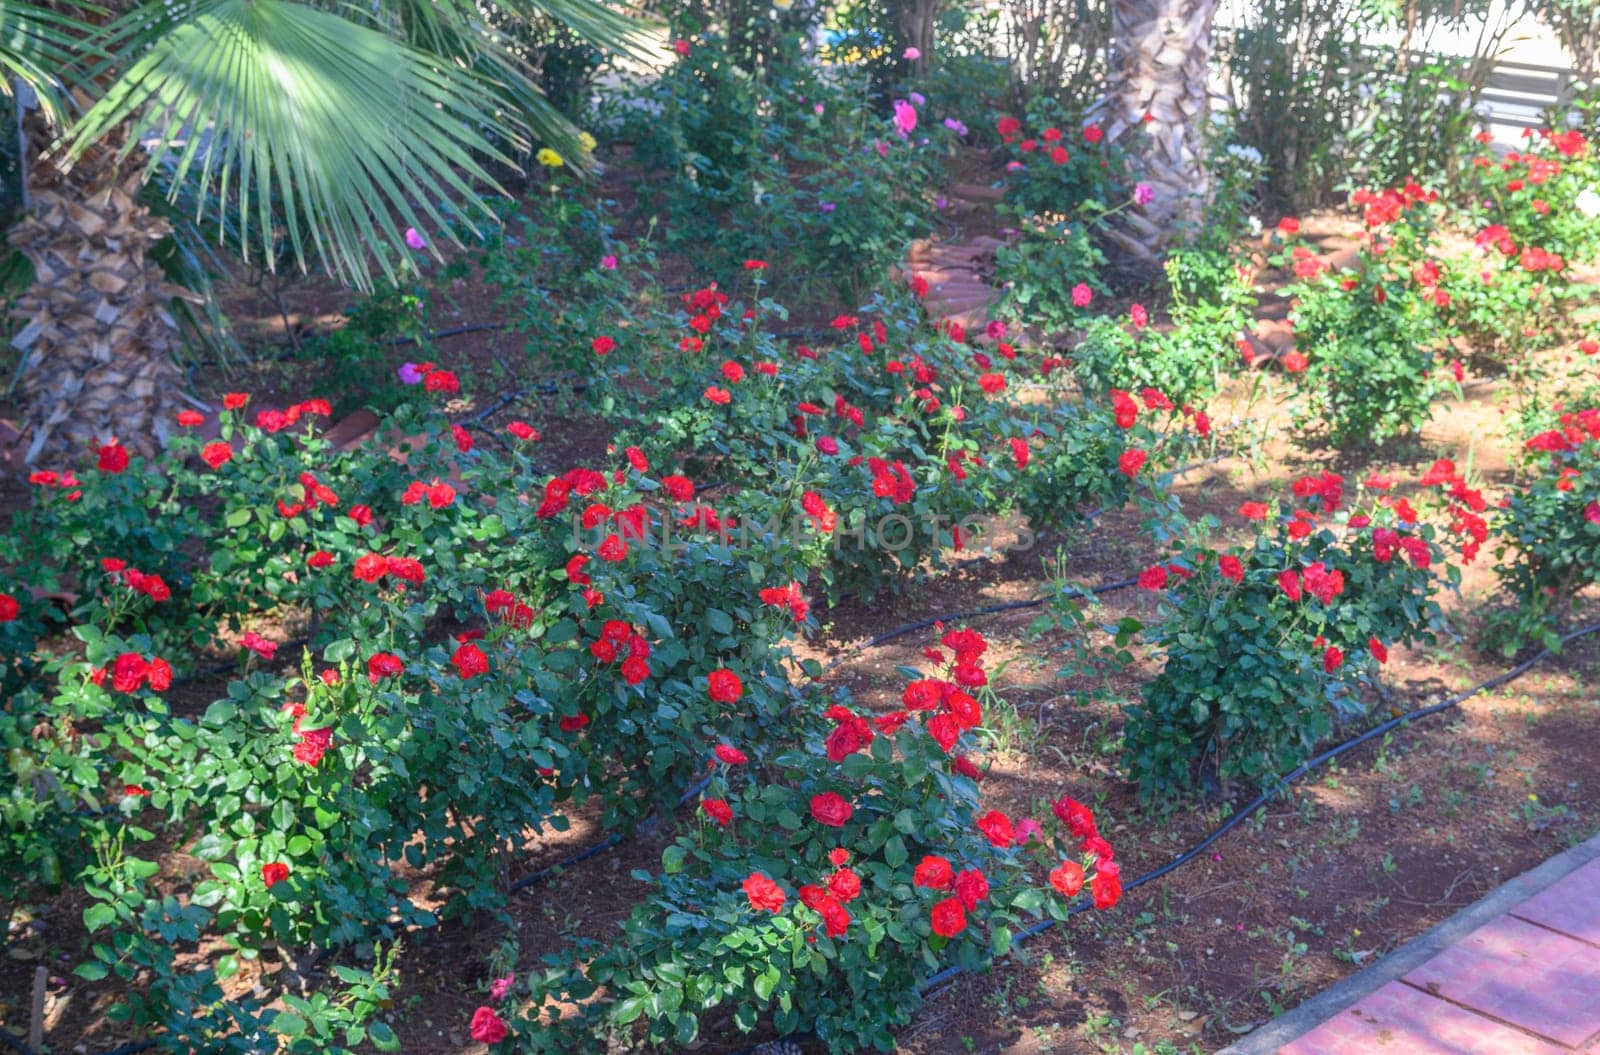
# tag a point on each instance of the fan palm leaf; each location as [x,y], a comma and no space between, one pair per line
[328,130]
[40,47]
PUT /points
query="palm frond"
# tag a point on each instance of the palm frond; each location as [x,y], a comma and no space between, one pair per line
[458,29]
[295,117]
[41,47]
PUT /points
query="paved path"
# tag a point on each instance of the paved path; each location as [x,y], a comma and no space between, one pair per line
[1516,974]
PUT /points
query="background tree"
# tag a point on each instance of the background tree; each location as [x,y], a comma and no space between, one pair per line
[1155,108]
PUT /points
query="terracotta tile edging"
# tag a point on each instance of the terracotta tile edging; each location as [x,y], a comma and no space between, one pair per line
[1328,1003]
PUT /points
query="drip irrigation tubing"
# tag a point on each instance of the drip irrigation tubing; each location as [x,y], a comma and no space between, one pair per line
[949,974]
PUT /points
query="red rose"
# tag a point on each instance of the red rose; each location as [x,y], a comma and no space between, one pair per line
[1231,567]
[724,686]
[997,828]
[1106,885]
[971,888]
[719,396]
[1067,879]
[470,661]
[830,809]
[613,549]
[384,665]
[1289,583]
[487,1028]
[838,856]
[320,559]
[216,454]
[1253,511]
[159,677]
[764,894]
[190,418]
[1332,659]
[1132,461]
[1078,818]
[9,608]
[1153,578]
[1378,650]
[717,810]
[948,918]
[602,345]
[845,885]
[362,515]
[731,756]
[129,672]
[275,872]
[680,488]
[235,400]
[933,873]
[523,431]
[945,730]
[113,457]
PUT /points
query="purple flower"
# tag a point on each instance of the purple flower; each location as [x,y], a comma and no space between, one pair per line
[955,126]
[826,206]
[941,202]
[414,239]
[916,98]
[1143,194]
[409,374]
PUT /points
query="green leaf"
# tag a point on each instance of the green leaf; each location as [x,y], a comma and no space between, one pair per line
[91,971]
[383,1037]
[99,915]
[288,1024]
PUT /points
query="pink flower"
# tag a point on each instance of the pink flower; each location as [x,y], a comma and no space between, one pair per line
[259,645]
[487,1028]
[1081,295]
[608,262]
[1143,194]
[912,54]
[501,986]
[414,239]
[905,117]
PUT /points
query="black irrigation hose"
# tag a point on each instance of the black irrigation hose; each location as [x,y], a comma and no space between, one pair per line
[951,973]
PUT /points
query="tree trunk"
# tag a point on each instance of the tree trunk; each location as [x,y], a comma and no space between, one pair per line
[97,339]
[1155,108]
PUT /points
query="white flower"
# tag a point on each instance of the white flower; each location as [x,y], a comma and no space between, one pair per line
[1588,203]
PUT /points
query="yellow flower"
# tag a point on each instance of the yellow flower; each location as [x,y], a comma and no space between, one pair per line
[587,141]
[783,5]
[549,158]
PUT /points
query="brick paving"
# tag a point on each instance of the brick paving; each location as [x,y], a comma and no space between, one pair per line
[1525,983]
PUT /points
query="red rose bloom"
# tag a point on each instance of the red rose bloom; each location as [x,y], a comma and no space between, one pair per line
[1289,583]
[1153,578]
[129,672]
[275,872]
[764,894]
[1067,879]
[948,918]
[831,809]
[1132,461]
[1230,567]
[731,756]
[1106,885]
[845,885]
[933,873]
[216,454]
[487,1028]
[10,608]
[384,665]
[997,828]
[113,457]
[1377,649]
[724,686]
[470,661]
[717,810]
[971,888]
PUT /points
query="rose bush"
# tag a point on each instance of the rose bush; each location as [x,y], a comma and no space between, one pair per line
[1263,646]
[825,882]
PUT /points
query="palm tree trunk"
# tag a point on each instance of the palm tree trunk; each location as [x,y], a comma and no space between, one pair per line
[97,339]
[1155,107]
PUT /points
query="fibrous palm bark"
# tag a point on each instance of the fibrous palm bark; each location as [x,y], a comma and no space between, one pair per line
[97,338]
[1155,108]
